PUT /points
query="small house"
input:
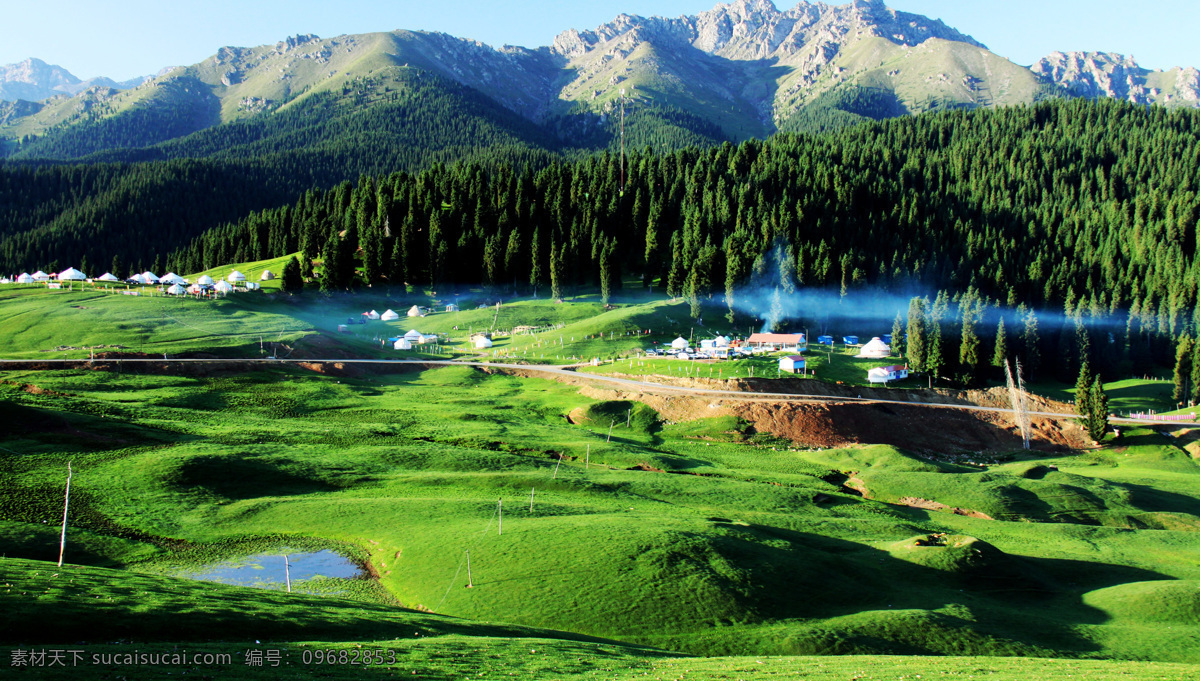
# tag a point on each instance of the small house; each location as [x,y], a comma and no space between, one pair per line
[850,340]
[451,308]
[402,344]
[887,374]
[785,341]
[825,340]
[708,344]
[791,364]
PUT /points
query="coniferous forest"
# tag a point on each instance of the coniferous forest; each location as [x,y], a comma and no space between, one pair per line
[1086,207]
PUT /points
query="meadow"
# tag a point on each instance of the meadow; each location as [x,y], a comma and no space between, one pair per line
[701,537]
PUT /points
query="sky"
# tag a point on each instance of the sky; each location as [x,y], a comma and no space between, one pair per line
[122,39]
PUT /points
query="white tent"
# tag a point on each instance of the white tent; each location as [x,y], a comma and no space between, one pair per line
[205,281]
[223,287]
[172,278]
[149,277]
[235,277]
[371,315]
[875,349]
[41,276]
[5,280]
[177,290]
[402,344]
[414,311]
[722,341]
[413,335]
[136,279]
[427,338]
[267,275]
[482,342]
[25,278]
[389,315]
[71,274]
[680,343]
[107,276]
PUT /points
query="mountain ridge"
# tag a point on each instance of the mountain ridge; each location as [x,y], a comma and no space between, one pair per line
[745,66]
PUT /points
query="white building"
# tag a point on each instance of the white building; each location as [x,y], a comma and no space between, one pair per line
[887,374]
[875,349]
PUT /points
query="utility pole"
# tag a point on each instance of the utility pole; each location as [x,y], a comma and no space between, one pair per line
[470,583]
[500,515]
[287,573]
[62,544]
[531,491]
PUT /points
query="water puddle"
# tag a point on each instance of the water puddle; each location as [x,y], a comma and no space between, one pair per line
[307,569]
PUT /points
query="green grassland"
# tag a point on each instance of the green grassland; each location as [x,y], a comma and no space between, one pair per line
[751,546]
[702,537]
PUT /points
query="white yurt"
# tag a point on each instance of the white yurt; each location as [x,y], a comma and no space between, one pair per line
[136,279]
[5,280]
[107,276]
[413,335]
[680,343]
[722,341]
[875,349]
[40,276]
[414,311]
[177,290]
[223,287]
[482,342]
[267,275]
[172,278]
[25,278]
[402,344]
[205,280]
[149,277]
[372,315]
[196,289]
[71,274]
[389,315]
[235,277]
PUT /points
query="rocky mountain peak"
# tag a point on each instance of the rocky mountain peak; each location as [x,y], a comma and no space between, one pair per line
[1108,74]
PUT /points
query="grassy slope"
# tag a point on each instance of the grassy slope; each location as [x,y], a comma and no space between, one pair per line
[407,468]
[146,609]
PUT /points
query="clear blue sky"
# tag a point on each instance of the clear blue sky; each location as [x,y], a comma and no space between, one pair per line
[126,38]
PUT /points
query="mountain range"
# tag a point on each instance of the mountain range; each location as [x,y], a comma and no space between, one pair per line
[743,69]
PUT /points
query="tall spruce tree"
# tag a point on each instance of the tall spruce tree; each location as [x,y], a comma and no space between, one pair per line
[1000,351]
[898,335]
[1183,370]
[916,334]
[1097,420]
[1031,354]
[1083,388]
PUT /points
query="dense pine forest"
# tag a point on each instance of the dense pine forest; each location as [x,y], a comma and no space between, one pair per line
[1086,208]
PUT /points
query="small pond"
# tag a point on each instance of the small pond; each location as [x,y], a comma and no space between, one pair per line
[266,570]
